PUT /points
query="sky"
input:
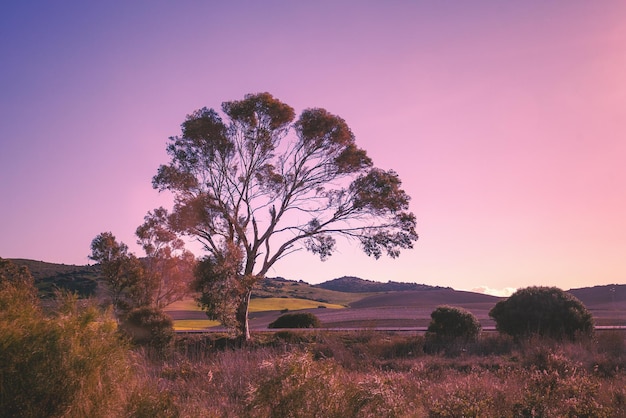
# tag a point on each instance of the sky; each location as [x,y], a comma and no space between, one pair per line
[506,122]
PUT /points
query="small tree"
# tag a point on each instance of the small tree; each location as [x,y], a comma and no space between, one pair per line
[167,264]
[546,311]
[262,185]
[149,326]
[161,278]
[448,322]
[122,272]
[449,328]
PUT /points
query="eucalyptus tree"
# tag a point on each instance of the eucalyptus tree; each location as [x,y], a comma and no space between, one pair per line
[254,184]
[168,265]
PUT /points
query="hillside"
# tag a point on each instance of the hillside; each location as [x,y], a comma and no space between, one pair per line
[420,298]
[49,277]
[601,295]
[352,284]
[279,287]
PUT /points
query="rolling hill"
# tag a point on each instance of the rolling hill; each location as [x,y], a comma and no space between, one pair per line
[352,284]
[418,298]
[369,303]
[49,277]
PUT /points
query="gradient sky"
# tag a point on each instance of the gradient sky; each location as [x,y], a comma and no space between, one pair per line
[506,122]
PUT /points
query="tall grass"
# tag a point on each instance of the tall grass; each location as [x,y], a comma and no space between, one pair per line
[70,364]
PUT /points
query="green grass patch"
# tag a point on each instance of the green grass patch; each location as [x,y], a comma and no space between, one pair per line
[194,324]
[293,304]
[262,304]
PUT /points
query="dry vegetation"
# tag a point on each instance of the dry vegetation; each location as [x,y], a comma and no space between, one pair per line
[318,374]
[371,374]
[76,366]
[68,361]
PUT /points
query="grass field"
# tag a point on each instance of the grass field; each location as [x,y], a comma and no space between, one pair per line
[256,305]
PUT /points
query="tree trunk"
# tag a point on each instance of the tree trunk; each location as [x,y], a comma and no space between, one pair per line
[243,328]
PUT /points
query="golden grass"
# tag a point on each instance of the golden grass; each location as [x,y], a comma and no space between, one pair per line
[293,304]
[194,324]
[261,305]
[256,305]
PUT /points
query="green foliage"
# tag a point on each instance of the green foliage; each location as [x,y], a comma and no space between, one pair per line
[149,326]
[122,272]
[449,322]
[219,289]
[449,328]
[546,311]
[296,320]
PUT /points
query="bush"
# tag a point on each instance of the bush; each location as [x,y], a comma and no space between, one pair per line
[149,326]
[451,322]
[296,385]
[69,364]
[296,320]
[545,311]
[450,326]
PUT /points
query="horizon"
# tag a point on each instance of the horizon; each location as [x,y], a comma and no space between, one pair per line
[502,293]
[505,123]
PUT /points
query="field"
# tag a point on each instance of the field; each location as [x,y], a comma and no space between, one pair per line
[373,374]
[188,316]
[407,309]
[68,360]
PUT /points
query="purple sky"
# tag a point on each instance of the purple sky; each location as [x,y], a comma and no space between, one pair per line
[505,120]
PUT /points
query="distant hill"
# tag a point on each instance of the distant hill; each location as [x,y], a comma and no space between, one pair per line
[418,298]
[352,284]
[50,277]
[601,295]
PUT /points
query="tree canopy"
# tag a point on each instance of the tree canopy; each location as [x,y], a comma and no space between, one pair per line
[254,184]
[546,311]
[160,278]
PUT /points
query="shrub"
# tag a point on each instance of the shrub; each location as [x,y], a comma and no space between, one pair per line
[449,327]
[149,326]
[545,311]
[69,364]
[451,322]
[296,385]
[296,320]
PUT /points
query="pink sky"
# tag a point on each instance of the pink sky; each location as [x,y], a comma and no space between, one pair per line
[505,120]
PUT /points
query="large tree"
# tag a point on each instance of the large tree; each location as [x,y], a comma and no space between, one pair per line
[259,184]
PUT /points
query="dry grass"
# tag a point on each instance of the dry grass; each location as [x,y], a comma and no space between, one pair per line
[370,374]
[73,364]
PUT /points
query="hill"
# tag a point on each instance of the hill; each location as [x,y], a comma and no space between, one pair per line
[419,298]
[601,295]
[352,284]
[278,287]
[49,277]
